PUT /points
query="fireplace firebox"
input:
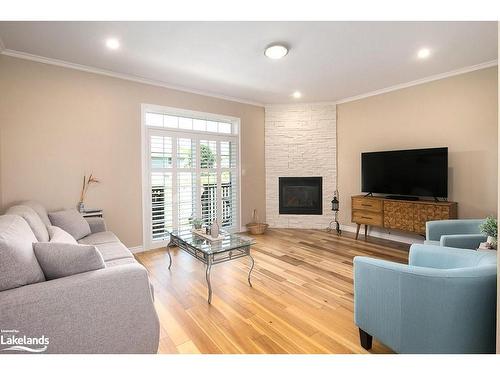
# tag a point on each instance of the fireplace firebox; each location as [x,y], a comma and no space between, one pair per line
[301,195]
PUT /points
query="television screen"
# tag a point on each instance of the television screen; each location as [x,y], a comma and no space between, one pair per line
[422,172]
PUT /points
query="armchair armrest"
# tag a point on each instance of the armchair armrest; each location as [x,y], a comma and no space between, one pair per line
[426,310]
[97,224]
[435,229]
[104,311]
[463,241]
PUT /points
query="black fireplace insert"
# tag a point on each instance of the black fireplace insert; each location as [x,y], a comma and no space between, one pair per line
[301,195]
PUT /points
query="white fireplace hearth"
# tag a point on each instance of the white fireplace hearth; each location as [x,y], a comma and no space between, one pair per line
[300,141]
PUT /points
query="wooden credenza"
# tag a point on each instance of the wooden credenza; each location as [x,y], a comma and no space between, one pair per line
[409,216]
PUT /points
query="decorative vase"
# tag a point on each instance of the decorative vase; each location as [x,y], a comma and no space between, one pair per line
[492,241]
[197,226]
[214,229]
[81,207]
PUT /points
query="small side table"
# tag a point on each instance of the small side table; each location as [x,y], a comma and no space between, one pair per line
[92,213]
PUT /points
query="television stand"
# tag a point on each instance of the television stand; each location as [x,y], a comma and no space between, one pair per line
[402,198]
[400,213]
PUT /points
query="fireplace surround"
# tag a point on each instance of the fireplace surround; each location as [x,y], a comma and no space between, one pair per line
[301,195]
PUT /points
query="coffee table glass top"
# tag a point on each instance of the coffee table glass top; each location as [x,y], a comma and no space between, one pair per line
[228,243]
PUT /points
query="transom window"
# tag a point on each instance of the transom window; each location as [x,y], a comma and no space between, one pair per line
[191,170]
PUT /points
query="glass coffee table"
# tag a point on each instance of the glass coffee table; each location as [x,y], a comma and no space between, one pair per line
[231,247]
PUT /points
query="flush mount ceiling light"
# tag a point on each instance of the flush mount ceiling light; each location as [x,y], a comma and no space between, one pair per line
[297,95]
[276,51]
[112,43]
[424,53]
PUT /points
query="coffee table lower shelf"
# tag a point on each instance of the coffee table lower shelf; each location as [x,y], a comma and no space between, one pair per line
[209,259]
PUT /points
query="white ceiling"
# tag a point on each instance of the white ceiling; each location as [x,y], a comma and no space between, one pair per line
[328,61]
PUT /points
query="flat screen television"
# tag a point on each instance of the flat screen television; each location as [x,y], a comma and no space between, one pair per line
[415,173]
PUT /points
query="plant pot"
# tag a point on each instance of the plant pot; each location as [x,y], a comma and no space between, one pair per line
[81,207]
[492,241]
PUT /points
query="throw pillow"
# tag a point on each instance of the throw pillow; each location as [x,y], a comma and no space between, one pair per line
[18,264]
[59,259]
[70,221]
[56,234]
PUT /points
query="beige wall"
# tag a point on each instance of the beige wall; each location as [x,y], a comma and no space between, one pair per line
[459,112]
[57,123]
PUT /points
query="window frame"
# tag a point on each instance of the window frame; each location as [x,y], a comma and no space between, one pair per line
[146,130]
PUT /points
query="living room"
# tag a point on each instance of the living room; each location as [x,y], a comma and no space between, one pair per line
[250,187]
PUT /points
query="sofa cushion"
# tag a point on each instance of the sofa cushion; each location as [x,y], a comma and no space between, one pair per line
[18,264]
[99,238]
[70,221]
[39,209]
[36,224]
[119,262]
[114,250]
[58,259]
[57,234]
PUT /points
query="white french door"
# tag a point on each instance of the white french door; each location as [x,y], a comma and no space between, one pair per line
[188,174]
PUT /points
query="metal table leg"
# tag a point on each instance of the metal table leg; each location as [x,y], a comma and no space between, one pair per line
[170,244]
[251,268]
[207,274]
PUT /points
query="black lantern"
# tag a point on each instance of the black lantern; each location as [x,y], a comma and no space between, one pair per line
[335,204]
[335,209]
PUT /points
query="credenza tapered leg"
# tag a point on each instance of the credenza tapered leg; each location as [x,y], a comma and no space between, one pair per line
[366,230]
[357,230]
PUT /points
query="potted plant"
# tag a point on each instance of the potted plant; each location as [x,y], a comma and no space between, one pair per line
[490,228]
[196,222]
[86,183]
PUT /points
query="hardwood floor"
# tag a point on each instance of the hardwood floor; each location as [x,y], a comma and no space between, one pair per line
[301,300]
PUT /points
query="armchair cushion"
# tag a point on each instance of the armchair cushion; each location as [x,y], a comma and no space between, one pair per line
[71,221]
[18,264]
[59,259]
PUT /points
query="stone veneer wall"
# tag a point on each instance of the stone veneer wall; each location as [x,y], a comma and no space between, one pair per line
[300,141]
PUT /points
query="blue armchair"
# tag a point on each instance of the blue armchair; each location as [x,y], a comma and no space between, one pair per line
[443,301]
[464,234]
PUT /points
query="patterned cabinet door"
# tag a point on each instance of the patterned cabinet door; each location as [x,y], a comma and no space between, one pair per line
[428,212]
[399,215]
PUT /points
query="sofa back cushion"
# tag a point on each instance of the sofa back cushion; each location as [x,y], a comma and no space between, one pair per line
[70,221]
[57,234]
[59,259]
[18,264]
[39,209]
[36,224]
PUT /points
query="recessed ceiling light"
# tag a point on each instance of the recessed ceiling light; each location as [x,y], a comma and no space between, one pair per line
[424,53]
[297,95]
[112,43]
[276,51]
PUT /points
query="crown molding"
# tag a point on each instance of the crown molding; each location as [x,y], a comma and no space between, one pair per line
[417,82]
[109,73]
[129,77]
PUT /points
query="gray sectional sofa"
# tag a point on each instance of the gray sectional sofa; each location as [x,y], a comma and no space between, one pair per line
[107,310]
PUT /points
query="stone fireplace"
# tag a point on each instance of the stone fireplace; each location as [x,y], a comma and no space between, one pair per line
[300,144]
[301,195]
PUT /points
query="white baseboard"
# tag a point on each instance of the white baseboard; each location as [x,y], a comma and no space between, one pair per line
[386,234]
[136,249]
